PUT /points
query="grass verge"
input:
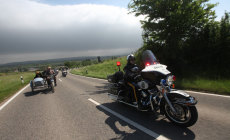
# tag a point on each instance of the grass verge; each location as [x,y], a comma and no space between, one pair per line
[100,70]
[206,85]
[11,83]
[198,83]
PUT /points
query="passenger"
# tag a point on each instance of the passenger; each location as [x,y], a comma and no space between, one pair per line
[38,74]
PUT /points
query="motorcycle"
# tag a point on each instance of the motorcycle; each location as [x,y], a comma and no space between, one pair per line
[156,92]
[40,83]
[50,82]
[64,73]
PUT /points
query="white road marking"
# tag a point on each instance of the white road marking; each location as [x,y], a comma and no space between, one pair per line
[6,103]
[138,126]
[207,94]
[60,80]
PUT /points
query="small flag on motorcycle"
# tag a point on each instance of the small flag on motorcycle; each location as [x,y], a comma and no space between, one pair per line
[118,63]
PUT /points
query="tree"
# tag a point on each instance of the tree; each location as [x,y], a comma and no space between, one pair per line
[67,64]
[86,62]
[169,24]
[99,59]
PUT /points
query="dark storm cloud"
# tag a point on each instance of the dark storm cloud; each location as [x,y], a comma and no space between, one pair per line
[34,28]
[87,38]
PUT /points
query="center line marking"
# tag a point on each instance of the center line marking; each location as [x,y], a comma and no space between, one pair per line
[60,80]
[138,126]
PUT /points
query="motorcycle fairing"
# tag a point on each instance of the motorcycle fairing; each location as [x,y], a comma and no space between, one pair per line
[157,68]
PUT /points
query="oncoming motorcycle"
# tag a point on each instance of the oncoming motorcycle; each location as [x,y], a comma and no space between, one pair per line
[156,92]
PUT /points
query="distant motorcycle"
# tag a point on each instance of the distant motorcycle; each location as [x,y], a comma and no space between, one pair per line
[155,87]
[64,73]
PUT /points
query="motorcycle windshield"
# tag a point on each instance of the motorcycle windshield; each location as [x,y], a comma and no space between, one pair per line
[149,58]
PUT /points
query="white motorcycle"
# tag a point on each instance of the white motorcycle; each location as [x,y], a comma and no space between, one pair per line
[155,90]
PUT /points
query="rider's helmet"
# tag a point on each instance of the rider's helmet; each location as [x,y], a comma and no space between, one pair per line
[37,72]
[130,57]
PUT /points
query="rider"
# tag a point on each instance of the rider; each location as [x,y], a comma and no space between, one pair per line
[49,72]
[38,74]
[131,71]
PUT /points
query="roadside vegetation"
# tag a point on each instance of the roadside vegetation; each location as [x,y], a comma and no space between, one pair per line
[186,37]
[101,70]
[11,83]
[197,83]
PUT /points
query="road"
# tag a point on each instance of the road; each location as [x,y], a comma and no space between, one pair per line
[71,113]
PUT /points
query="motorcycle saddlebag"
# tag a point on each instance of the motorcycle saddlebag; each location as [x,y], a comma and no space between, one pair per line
[116,77]
[113,88]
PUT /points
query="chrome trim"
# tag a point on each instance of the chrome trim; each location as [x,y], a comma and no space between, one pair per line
[136,106]
[150,98]
[191,102]
[169,103]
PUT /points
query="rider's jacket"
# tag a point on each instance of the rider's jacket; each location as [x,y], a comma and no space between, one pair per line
[129,73]
[48,72]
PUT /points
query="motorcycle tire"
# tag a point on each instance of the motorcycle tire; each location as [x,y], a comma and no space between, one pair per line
[183,110]
[52,87]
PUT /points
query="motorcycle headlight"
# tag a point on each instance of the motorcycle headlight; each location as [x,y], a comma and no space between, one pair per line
[143,85]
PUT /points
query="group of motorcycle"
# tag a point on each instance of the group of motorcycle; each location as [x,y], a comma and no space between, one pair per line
[155,87]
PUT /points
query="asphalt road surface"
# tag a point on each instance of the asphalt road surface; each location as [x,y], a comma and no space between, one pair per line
[80,109]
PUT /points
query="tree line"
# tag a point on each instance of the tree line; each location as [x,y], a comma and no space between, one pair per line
[185,36]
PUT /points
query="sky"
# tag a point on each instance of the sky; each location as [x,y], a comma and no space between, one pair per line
[47,29]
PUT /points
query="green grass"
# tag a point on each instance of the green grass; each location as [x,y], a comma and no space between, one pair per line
[11,83]
[203,84]
[100,70]
[197,83]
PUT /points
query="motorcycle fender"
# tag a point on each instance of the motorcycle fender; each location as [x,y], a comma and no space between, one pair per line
[181,97]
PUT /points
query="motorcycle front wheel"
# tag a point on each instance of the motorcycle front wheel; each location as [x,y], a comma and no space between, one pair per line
[185,116]
[52,87]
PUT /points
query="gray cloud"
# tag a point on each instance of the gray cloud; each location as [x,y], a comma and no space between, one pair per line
[30,30]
